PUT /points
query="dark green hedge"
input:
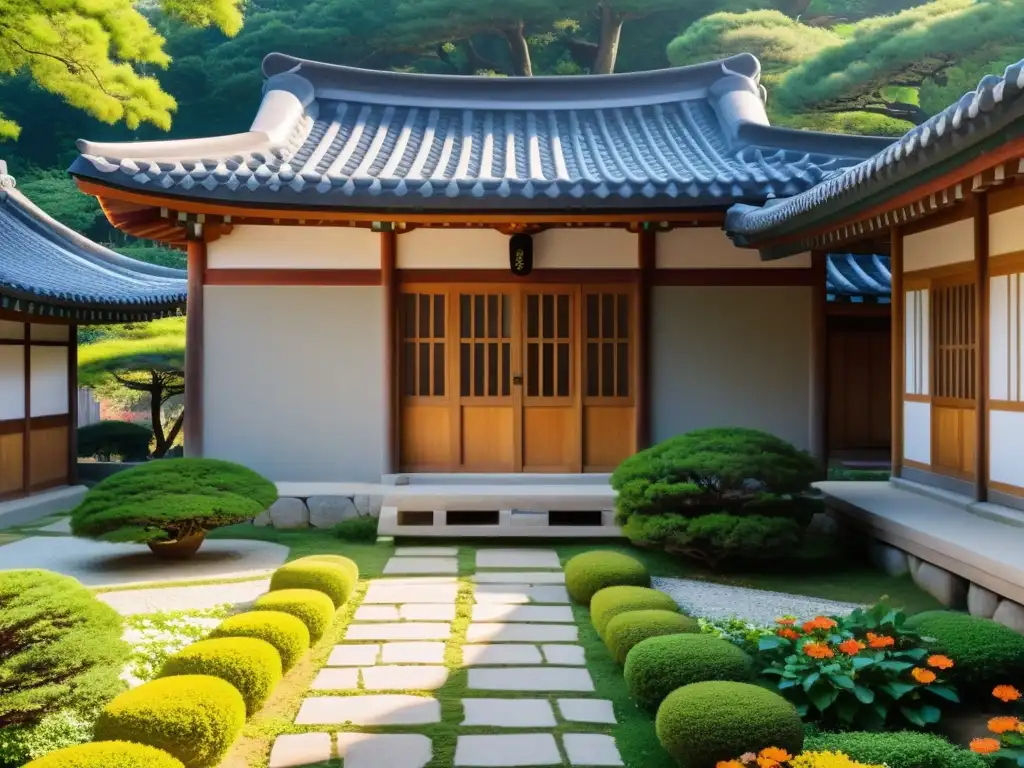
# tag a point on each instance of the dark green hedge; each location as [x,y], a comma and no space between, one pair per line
[106,439]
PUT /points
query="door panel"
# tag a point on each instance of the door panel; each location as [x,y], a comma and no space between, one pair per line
[609,370]
[425,437]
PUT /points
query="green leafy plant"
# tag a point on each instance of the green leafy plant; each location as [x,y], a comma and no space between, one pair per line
[625,630]
[108,439]
[108,754]
[611,601]
[590,572]
[313,608]
[896,749]
[744,634]
[21,743]
[1005,748]
[283,631]
[155,637]
[357,529]
[334,580]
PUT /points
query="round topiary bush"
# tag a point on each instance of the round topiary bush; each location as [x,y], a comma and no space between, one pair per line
[703,723]
[985,653]
[171,501]
[195,718]
[627,629]
[60,647]
[313,608]
[282,630]
[591,572]
[898,749]
[107,439]
[611,601]
[333,580]
[107,754]
[348,565]
[253,666]
[659,665]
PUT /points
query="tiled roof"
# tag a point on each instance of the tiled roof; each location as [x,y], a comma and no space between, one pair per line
[858,277]
[328,135]
[48,269]
[982,114]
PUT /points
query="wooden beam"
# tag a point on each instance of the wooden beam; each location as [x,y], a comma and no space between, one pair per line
[193,419]
[647,262]
[981,330]
[26,440]
[897,342]
[389,285]
[72,404]
[819,359]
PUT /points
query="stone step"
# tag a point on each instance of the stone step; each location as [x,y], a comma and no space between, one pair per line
[537,679]
[522,633]
[383,709]
[520,594]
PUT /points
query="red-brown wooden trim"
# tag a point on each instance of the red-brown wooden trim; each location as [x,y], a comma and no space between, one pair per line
[193,419]
[647,260]
[73,405]
[819,358]
[767,276]
[920,465]
[981,323]
[909,398]
[1009,490]
[388,259]
[14,426]
[1015,406]
[898,355]
[1006,263]
[22,317]
[26,435]
[959,212]
[293,277]
[572,276]
[1006,198]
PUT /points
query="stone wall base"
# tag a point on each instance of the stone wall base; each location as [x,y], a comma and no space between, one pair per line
[290,512]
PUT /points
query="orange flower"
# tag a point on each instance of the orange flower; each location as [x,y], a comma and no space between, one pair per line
[728,764]
[789,634]
[851,647]
[786,621]
[1003,724]
[940,662]
[765,762]
[1006,693]
[777,754]
[880,641]
[819,622]
[984,746]
[818,651]
[922,675]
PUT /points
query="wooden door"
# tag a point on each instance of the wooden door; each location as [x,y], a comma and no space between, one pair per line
[859,363]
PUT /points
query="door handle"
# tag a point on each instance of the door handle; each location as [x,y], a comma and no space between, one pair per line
[517,380]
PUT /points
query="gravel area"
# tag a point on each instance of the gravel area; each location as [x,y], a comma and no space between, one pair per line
[202,597]
[717,601]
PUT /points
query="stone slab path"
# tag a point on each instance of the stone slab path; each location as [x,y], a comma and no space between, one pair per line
[525,682]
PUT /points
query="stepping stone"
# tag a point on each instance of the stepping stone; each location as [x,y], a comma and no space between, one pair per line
[416,581]
[498,654]
[516,558]
[508,750]
[566,655]
[404,678]
[427,612]
[376,613]
[394,750]
[413,653]
[520,577]
[587,711]
[353,656]
[530,679]
[336,679]
[380,593]
[300,749]
[401,565]
[519,593]
[404,630]
[533,614]
[393,709]
[426,551]
[591,749]
[519,633]
[509,713]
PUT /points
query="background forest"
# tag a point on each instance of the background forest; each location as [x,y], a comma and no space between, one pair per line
[861,66]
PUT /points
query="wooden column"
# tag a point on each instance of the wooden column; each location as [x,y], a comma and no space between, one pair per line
[819,360]
[194,349]
[72,404]
[897,342]
[26,439]
[981,321]
[389,286]
[646,263]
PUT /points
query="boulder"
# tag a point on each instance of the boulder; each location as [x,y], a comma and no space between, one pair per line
[824,524]
[1010,614]
[368,506]
[262,520]
[981,602]
[891,560]
[328,511]
[289,513]
[948,588]
[913,563]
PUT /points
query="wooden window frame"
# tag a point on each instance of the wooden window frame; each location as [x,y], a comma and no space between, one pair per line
[953,328]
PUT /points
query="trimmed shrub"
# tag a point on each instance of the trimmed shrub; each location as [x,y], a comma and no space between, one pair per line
[314,609]
[196,718]
[61,647]
[334,580]
[346,564]
[282,630]
[658,665]
[702,723]
[107,754]
[171,499]
[253,666]
[591,572]
[363,529]
[106,439]
[627,629]
[985,653]
[898,749]
[611,601]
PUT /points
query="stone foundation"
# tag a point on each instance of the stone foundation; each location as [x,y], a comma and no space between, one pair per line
[318,511]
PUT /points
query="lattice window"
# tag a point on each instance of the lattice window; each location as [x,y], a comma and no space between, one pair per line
[485,345]
[607,364]
[423,344]
[548,344]
[954,341]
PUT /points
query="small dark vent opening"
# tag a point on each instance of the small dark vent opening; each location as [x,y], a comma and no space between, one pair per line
[471,517]
[415,517]
[574,517]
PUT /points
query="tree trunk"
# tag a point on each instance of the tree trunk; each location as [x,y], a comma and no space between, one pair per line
[156,401]
[520,50]
[611,33]
[581,51]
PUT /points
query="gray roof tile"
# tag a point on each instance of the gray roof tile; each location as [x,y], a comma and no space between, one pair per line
[858,277]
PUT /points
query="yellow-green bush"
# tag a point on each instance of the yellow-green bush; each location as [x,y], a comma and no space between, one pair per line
[591,572]
[253,666]
[313,608]
[282,630]
[611,601]
[334,580]
[342,562]
[195,718]
[627,629]
[701,724]
[107,754]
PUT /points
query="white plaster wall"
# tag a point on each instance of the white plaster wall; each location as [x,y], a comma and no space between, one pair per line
[724,356]
[948,244]
[257,246]
[49,332]
[1006,231]
[452,249]
[917,347]
[49,380]
[1006,447]
[917,432]
[711,248]
[293,383]
[1006,337]
[12,382]
[584,248]
[9,329]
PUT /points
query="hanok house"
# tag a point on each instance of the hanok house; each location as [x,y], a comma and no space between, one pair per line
[421,274]
[51,281]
